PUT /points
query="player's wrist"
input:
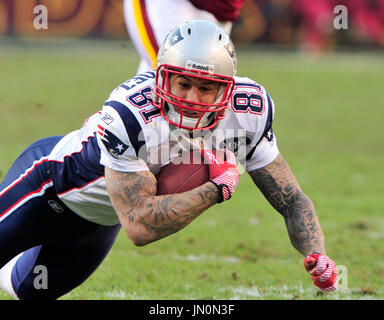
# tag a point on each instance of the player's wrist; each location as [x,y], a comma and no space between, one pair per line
[223,192]
[218,191]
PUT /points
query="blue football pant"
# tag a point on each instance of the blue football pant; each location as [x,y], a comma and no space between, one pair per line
[35,221]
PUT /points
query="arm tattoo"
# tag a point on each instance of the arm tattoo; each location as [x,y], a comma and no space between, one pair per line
[279,186]
[133,195]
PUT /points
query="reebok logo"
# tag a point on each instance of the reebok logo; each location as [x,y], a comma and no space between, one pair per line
[107,118]
[55,206]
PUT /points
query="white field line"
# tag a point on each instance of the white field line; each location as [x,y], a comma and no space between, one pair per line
[122,295]
[205,257]
[291,292]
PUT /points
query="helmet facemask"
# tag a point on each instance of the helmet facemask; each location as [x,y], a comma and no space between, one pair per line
[175,109]
[197,49]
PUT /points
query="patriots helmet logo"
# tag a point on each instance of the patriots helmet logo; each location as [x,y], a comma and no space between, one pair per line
[113,144]
[174,37]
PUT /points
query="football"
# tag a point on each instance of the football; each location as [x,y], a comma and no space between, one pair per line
[178,176]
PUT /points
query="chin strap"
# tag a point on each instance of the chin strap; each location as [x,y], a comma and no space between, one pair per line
[187,121]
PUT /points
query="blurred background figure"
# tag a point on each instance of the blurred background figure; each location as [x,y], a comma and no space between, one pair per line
[302,25]
[149,21]
[368,19]
[314,19]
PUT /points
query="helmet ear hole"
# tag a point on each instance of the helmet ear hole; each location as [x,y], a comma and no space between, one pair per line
[220,36]
[189,31]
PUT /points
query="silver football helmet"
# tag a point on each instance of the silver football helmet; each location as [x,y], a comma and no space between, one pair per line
[202,50]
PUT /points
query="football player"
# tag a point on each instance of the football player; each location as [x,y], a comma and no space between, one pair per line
[65,198]
[149,21]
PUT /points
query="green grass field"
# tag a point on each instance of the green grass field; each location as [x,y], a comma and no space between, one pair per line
[329,114]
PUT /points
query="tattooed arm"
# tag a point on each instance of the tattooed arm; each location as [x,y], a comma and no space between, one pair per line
[146,217]
[279,186]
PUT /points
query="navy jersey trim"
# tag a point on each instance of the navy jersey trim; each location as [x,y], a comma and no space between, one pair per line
[25,188]
[132,126]
[138,79]
[78,169]
[267,128]
[29,176]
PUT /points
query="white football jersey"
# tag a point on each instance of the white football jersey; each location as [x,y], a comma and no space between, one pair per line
[129,135]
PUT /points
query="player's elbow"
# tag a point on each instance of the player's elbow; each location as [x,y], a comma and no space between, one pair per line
[137,237]
[140,242]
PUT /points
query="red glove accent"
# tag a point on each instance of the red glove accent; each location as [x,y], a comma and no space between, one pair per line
[323,271]
[224,174]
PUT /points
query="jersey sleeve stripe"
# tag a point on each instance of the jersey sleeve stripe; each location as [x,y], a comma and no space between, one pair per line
[131,124]
[268,126]
[77,169]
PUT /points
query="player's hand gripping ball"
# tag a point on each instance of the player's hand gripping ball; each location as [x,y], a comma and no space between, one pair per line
[223,173]
[323,271]
[179,176]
